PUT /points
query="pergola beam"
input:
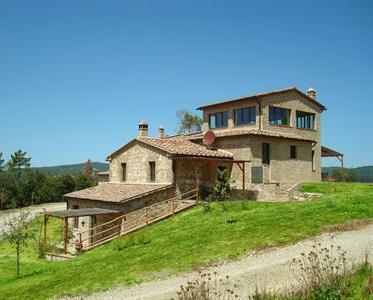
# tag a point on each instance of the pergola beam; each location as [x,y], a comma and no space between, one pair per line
[327,152]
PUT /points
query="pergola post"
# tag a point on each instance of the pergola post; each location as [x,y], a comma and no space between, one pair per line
[242,168]
[65,234]
[326,152]
[340,158]
[45,229]
[243,175]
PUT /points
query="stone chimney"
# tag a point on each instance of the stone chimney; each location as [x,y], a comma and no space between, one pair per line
[143,129]
[160,132]
[311,93]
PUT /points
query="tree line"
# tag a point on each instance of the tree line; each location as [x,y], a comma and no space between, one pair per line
[21,185]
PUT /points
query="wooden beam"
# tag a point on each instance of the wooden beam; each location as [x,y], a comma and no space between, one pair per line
[210,159]
[243,176]
[65,235]
[45,229]
[238,164]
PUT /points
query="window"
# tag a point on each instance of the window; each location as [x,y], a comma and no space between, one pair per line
[305,120]
[152,170]
[313,160]
[124,172]
[218,120]
[265,154]
[76,219]
[279,116]
[244,116]
[293,152]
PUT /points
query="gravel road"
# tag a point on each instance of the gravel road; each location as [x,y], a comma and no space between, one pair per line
[267,269]
[35,210]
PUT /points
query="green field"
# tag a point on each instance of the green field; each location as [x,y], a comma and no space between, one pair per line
[186,241]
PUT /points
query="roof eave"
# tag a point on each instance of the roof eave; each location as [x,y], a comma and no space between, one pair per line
[258,96]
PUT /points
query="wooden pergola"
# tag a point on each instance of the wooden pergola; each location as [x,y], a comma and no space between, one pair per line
[64,215]
[327,152]
[239,163]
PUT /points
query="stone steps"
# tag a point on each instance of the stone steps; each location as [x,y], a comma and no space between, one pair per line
[275,192]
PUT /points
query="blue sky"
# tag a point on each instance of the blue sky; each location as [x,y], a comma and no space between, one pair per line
[77,76]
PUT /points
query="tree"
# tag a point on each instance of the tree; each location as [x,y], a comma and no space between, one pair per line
[83,182]
[19,161]
[188,122]
[18,232]
[222,187]
[88,169]
[1,162]
[345,175]
[7,190]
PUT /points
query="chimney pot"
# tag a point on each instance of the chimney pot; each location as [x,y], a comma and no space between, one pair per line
[161,132]
[143,129]
[311,92]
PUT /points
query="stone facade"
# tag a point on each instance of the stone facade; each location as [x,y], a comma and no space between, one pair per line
[190,173]
[137,157]
[281,168]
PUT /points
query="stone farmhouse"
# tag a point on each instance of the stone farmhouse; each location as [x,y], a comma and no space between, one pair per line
[266,141]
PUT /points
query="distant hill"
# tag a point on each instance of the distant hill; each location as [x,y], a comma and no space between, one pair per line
[365,174]
[73,169]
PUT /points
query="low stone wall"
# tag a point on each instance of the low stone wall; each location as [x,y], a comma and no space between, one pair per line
[239,194]
[57,257]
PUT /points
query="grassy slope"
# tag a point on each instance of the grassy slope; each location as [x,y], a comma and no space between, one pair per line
[186,241]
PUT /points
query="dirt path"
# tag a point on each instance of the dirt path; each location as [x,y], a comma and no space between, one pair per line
[267,269]
[35,210]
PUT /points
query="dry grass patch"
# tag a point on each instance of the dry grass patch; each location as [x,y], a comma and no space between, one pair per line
[348,226]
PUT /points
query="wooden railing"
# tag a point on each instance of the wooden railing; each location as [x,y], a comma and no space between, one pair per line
[135,220]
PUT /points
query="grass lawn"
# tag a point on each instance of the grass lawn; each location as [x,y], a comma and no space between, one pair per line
[185,241]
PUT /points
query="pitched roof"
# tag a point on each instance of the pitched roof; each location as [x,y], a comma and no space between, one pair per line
[103,173]
[117,192]
[256,132]
[255,96]
[178,147]
[327,152]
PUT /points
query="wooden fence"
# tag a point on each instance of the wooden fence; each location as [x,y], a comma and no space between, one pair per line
[135,220]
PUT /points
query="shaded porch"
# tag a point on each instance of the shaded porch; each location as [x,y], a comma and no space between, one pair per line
[327,152]
[65,215]
[241,164]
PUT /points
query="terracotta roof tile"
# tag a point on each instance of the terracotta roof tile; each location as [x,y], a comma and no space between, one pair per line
[184,147]
[103,173]
[265,94]
[117,192]
[235,132]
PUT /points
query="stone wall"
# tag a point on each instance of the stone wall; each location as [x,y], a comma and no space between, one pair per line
[282,168]
[137,158]
[190,172]
[125,207]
